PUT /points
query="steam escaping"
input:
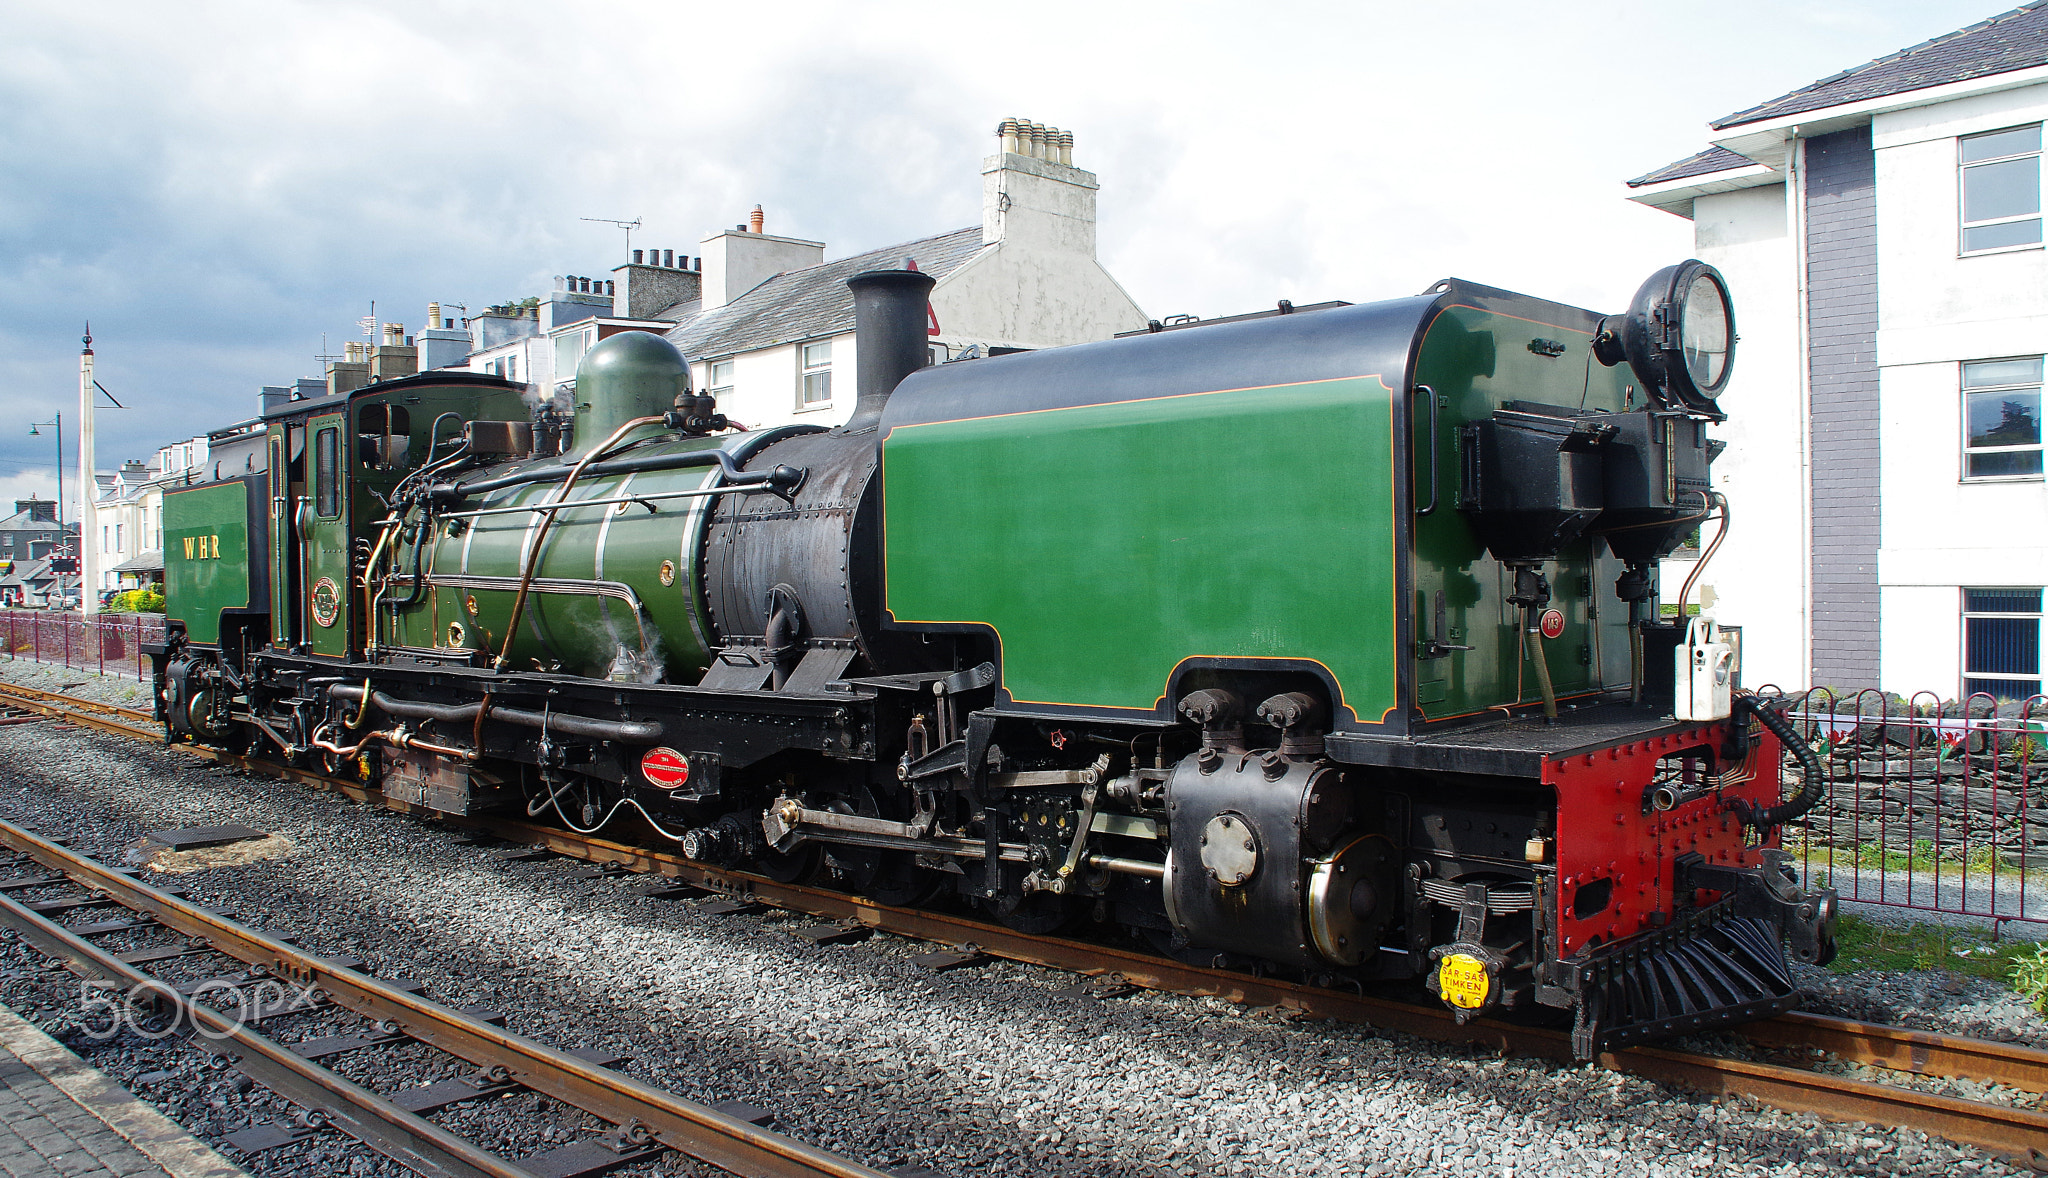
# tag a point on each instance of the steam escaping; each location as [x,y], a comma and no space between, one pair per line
[635,666]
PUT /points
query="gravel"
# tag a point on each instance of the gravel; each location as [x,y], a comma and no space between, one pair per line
[1928,1000]
[989,1071]
[106,689]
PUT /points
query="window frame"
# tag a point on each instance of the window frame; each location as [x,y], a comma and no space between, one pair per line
[1963,225]
[712,386]
[327,472]
[805,370]
[1965,450]
[2040,619]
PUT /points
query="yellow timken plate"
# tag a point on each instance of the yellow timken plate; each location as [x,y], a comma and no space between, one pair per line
[1462,980]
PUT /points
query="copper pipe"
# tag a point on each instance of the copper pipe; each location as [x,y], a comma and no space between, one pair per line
[547,522]
[397,739]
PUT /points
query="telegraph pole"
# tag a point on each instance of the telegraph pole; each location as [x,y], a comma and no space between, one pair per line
[88,515]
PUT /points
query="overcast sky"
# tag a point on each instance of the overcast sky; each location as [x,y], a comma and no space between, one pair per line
[217,184]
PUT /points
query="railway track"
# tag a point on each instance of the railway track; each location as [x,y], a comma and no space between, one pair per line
[645,1122]
[1793,1046]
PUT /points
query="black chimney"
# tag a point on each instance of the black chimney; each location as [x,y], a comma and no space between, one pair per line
[889,322]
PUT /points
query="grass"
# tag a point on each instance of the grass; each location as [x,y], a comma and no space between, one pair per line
[1971,952]
[1922,856]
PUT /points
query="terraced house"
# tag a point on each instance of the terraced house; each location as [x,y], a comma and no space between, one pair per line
[1882,233]
[767,321]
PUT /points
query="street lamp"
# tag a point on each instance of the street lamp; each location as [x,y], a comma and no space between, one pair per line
[35,432]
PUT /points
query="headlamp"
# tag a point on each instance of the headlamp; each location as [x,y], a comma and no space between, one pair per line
[1678,336]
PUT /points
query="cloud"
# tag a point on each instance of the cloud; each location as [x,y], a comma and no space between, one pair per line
[215,186]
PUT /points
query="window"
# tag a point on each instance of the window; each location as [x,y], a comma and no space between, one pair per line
[117,539]
[2002,418]
[569,349]
[327,473]
[2002,642]
[817,375]
[720,382]
[2001,181]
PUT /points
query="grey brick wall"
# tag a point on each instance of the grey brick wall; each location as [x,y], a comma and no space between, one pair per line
[1841,309]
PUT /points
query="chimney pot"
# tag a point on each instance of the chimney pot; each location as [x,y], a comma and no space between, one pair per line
[1067,148]
[610,285]
[636,256]
[668,258]
[756,220]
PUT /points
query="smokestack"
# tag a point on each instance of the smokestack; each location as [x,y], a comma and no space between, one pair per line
[889,320]
[756,220]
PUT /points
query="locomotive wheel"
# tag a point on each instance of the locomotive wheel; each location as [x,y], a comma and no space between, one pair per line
[799,866]
[1037,914]
[901,883]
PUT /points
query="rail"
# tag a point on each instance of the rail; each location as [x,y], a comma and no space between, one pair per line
[2010,1130]
[647,1120]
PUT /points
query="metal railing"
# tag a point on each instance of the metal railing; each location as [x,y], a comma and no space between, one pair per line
[107,644]
[1931,804]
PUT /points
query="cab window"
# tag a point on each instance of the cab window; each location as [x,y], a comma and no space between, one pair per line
[327,473]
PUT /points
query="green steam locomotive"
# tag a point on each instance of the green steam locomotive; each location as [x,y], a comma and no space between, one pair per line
[1321,640]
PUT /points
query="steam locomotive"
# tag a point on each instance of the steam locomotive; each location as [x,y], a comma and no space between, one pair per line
[1319,641]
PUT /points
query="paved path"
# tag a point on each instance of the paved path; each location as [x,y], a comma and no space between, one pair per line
[59,1116]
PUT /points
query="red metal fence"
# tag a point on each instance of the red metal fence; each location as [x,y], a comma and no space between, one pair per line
[110,644]
[1933,805]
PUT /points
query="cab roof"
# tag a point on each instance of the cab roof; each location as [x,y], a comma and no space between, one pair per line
[439,377]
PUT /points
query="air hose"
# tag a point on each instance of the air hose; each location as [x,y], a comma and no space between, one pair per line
[1814,773]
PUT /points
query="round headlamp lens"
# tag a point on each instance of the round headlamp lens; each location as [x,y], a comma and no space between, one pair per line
[1703,332]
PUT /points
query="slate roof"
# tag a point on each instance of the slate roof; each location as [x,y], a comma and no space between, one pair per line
[30,573]
[812,302]
[2010,41]
[27,521]
[1713,159]
[147,562]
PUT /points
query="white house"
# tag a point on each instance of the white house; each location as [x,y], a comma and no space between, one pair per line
[766,321]
[774,321]
[1881,233]
[127,522]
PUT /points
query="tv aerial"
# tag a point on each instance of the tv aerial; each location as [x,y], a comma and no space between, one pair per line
[628,226]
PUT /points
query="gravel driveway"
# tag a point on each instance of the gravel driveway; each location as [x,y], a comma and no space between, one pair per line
[989,1071]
